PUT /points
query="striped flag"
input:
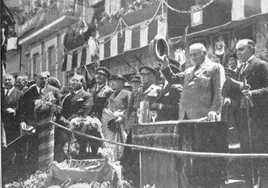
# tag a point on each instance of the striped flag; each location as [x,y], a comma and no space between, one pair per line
[242,9]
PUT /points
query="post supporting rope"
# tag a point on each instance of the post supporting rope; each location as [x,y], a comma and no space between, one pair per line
[176,152]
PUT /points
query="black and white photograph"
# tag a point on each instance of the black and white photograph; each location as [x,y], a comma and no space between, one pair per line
[134,94]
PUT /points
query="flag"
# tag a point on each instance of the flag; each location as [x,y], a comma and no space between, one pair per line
[182,42]
[181,52]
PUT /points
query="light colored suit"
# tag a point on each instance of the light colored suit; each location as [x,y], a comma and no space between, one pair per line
[201,89]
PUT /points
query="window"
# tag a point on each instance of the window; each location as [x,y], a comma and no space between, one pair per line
[52,61]
[36,63]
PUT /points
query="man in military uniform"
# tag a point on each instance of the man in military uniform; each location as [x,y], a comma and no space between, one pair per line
[147,93]
[135,81]
[101,94]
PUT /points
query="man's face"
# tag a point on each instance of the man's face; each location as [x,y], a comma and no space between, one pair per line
[117,85]
[41,80]
[76,83]
[243,51]
[146,76]
[9,81]
[232,63]
[135,85]
[197,56]
[100,78]
[20,82]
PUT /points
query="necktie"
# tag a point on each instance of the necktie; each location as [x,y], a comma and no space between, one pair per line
[7,93]
[40,91]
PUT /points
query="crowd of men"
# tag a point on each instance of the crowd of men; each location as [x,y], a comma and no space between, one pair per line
[197,92]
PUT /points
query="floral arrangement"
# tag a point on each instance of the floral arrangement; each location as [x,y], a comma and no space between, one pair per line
[85,123]
[45,107]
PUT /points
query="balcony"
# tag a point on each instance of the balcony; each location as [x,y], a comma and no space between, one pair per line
[132,18]
[48,20]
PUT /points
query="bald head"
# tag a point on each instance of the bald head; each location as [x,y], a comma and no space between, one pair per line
[198,53]
[198,46]
[245,48]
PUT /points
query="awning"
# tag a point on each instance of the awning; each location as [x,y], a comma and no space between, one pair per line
[132,38]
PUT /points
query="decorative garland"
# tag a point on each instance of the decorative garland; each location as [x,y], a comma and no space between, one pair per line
[162,2]
[187,11]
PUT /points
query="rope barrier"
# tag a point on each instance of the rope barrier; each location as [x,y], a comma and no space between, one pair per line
[176,152]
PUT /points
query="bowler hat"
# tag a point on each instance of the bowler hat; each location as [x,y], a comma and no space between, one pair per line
[152,70]
[118,77]
[104,71]
[136,78]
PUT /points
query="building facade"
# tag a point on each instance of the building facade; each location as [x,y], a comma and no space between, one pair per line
[42,29]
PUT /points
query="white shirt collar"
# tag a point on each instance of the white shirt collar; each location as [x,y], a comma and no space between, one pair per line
[38,89]
[78,91]
[250,58]
[9,91]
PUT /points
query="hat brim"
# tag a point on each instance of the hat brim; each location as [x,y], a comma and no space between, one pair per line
[153,71]
[102,73]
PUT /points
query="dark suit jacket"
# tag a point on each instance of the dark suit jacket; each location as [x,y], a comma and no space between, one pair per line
[27,105]
[100,98]
[10,121]
[201,89]
[79,104]
[170,103]
[256,75]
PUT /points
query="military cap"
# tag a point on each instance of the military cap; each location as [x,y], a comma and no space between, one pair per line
[152,70]
[136,78]
[104,71]
[118,77]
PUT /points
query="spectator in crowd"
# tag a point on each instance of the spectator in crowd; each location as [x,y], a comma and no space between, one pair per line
[232,62]
[101,94]
[21,83]
[128,87]
[113,117]
[231,66]
[76,103]
[253,74]
[10,103]
[136,82]
[28,118]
